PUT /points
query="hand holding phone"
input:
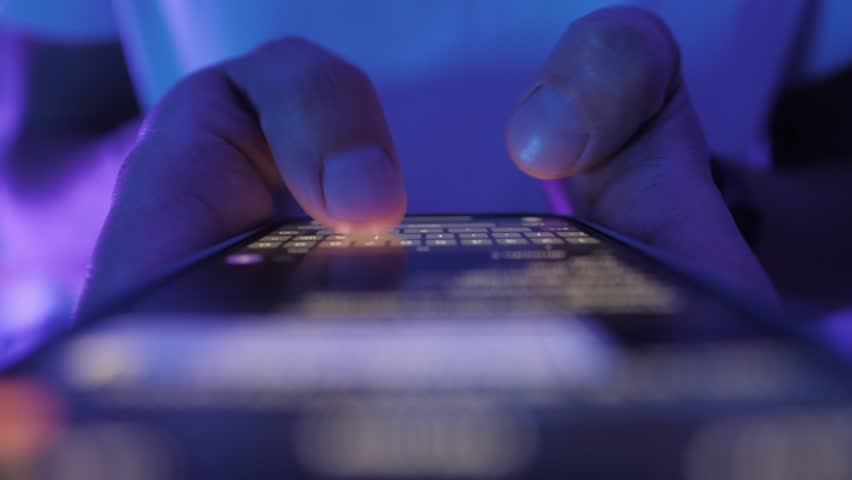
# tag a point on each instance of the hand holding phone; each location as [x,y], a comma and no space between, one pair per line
[236,145]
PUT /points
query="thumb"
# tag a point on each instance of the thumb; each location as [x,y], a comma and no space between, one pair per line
[610,114]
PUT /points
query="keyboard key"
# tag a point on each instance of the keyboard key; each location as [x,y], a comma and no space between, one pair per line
[423,230]
[297,244]
[409,243]
[410,236]
[441,243]
[468,230]
[298,251]
[511,229]
[512,241]
[275,238]
[575,233]
[264,245]
[380,236]
[476,242]
[334,244]
[370,243]
[444,236]
[308,238]
[547,241]
[287,232]
[470,225]
[417,226]
[473,235]
[582,240]
[560,229]
[538,235]
[506,235]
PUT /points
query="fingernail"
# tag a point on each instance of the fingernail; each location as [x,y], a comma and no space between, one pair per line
[361,184]
[547,135]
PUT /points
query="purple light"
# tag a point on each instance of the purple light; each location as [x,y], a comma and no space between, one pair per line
[47,237]
[55,233]
[244,258]
[12,88]
[836,329]
[557,198]
[27,302]
[32,306]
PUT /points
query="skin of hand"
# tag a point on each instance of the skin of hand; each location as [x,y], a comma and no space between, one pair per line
[610,114]
[236,145]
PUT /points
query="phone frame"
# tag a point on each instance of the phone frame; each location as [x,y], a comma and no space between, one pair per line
[770,317]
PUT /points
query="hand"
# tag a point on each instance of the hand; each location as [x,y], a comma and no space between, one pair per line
[610,114]
[233,146]
[290,124]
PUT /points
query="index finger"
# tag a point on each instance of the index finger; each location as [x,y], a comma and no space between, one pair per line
[214,153]
[327,133]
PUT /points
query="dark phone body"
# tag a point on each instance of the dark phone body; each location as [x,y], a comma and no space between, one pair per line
[395,357]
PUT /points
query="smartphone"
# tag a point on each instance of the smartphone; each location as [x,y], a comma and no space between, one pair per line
[455,346]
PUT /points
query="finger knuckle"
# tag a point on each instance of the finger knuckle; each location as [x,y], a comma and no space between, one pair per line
[317,74]
[612,41]
[190,102]
[626,26]
[288,46]
[308,61]
[630,46]
[186,99]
